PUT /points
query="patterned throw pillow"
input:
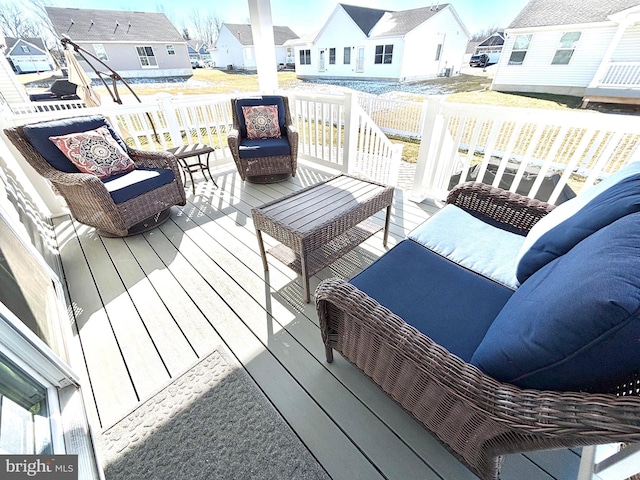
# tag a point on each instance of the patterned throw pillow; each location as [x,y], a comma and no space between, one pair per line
[261,121]
[95,152]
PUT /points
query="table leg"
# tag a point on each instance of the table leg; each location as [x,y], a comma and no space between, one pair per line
[386,226]
[263,254]
[305,278]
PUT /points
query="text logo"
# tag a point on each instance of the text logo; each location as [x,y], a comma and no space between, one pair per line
[45,467]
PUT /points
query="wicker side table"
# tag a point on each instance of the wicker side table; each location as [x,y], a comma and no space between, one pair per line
[319,224]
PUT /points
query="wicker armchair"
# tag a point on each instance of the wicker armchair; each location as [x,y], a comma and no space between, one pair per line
[86,196]
[263,160]
[477,417]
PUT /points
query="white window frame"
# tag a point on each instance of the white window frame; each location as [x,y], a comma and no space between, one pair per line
[563,49]
[305,56]
[386,54]
[171,50]
[346,56]
[100,52]
[520,50]
[146,56]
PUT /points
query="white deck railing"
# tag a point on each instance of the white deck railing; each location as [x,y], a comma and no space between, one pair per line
[578,147]
[582,147]
[334,130]
[621,74]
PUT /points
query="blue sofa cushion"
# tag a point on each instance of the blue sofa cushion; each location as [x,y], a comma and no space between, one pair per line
[448,303]
[569,223]
[262,100]
[464,239]
[264,147]
[125,186]
[575,323]
[38,135]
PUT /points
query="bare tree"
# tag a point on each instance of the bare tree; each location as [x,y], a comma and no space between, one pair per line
[15,23]
[205,27]
[485,33]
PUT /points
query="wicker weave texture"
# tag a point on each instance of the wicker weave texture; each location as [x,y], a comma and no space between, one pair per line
[478,418]
[89,201]
[264,166]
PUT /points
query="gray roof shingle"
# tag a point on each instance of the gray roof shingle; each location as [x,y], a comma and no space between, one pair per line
[543,13]
[243,33]
[90,25]
[378,23]
[402,22]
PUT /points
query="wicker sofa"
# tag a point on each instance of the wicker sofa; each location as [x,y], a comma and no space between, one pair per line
[503,324]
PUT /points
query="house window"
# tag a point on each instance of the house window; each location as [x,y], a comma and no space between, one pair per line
[24,48]
[147,57]
[438,51]
[101,53]
[347,56]
[171,50]
[519,51]
[566,48]
[384,53]
[305,57]
[332,56]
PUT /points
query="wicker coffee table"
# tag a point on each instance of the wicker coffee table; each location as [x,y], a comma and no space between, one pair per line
[319,224]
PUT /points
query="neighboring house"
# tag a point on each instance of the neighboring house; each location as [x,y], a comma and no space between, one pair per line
[198,52]
[134,44]
[584,48]
[28,55]
[370,44]
[234,46]
[491,45]
[469,52]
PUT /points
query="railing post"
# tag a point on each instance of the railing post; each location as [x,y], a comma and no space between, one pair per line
[351,115]
[427,152]
[169,111]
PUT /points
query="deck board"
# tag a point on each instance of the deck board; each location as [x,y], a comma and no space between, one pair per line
[147,307]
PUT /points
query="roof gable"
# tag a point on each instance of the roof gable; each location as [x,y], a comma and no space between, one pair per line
[242,32]
[90,25]
[366,18]
[14,48]
[493,40]
[544,13]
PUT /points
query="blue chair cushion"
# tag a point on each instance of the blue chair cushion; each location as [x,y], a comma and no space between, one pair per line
[569,223]
[448,303]
[38,135]
[264,147]
[469,241]
[263,100]
[125,186]
[575,323]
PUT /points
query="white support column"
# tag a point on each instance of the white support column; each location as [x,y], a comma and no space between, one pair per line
[604,65]
[264,45]
[429,136]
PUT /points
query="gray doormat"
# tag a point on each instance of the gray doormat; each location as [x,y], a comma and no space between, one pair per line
[210,423]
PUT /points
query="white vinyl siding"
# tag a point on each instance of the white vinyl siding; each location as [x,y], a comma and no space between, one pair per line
[538,72]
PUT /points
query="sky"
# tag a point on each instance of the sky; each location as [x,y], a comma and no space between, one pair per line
[306,17]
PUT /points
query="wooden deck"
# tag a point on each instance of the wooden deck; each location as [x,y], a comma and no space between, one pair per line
[148,307]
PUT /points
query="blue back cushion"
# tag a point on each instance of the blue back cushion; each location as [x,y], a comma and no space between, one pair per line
[450,304]
[263,100]
[125,186]
[576,219]
[38,135]
[575,323]
[264,147]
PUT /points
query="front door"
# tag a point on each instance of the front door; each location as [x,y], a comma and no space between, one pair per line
[360,60]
